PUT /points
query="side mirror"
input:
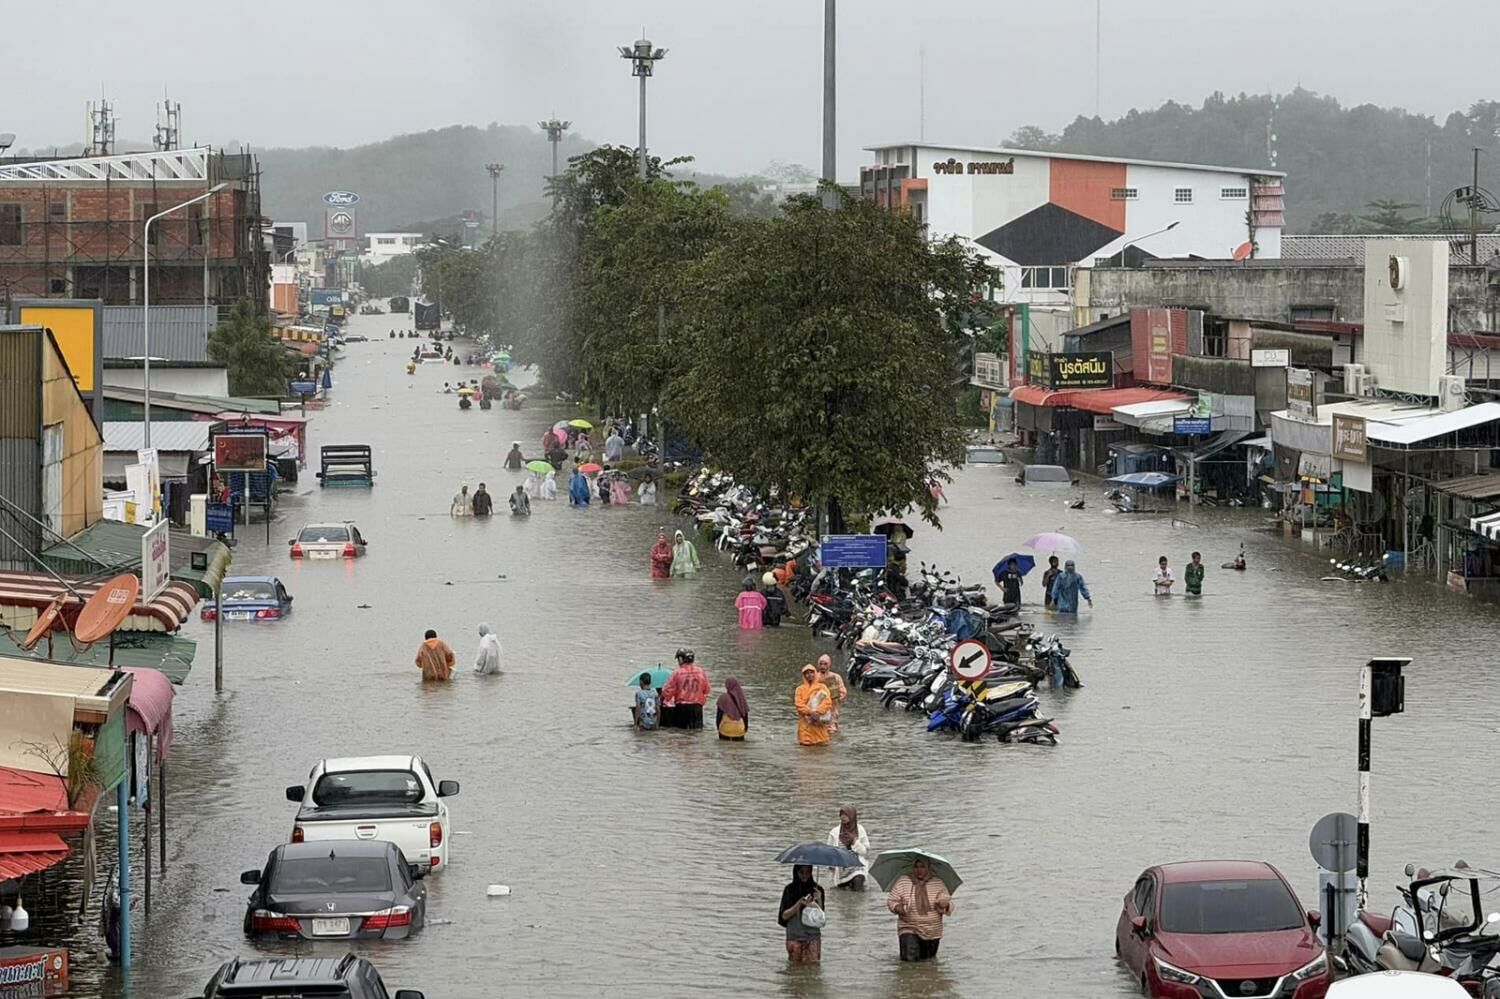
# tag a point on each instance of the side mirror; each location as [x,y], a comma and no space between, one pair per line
[1139,928]
[1314,918]
[417,872]
[447,788]
[250,877]
[291,541]
[295,792]
[290,598]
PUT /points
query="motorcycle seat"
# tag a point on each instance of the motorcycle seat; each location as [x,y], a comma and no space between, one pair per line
[1406,946]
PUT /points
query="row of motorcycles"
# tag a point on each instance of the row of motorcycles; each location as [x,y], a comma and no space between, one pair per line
[1443,926]
[898,634]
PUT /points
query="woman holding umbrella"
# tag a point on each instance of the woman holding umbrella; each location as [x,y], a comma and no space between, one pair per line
[661,557]
[919,898]
[801,912]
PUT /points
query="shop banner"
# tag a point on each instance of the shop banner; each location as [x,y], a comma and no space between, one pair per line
[1071,371]
[1349,441]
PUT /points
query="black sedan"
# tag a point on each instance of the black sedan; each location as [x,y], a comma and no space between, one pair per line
[342,889]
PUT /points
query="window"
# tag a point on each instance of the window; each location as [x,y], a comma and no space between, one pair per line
[57,211]
[12,232]
[367,787]
[320,875]
[196,225]
[1215,337]
[385,240]
[1303,313]
[1259,906]
[1182,195]
[1234,193]
[1044,277]
[1122,193]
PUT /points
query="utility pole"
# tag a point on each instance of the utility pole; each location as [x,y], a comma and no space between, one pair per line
[555,130]
[1098,58]
[643,59]
[1474,203]
[495,170]
[830,142]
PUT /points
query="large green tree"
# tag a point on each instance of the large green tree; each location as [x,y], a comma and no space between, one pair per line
[818,354]
[395,276]
[246,344]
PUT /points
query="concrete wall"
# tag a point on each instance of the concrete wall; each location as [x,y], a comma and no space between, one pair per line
[185,381]
[1271,291]
[1406,324]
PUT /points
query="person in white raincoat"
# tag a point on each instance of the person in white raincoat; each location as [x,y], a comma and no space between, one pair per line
[488,659]
[549,486]
[850,835]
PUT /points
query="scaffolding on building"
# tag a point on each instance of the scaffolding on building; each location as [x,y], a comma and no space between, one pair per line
[49,250]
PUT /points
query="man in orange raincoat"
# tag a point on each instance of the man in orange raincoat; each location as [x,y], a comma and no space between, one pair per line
[814,709]
[435,659]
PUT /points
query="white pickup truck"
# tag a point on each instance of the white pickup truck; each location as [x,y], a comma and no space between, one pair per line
[392,798]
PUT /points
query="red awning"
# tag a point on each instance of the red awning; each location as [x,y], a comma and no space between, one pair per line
[1104,401]
[1036,395]
[25,792]
[149,710]
[35,590]
[23,853]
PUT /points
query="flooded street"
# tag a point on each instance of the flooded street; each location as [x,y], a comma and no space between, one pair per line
[641,865]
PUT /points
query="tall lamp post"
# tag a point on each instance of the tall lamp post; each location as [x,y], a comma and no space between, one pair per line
[830,140]
[146,300]
[495,170]
[643,59]
[555,130]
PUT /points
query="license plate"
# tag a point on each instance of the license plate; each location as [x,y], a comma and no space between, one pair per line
[239,615]
[315,553]
[330,927]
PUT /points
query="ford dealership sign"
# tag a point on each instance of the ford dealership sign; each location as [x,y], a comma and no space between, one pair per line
[340,198]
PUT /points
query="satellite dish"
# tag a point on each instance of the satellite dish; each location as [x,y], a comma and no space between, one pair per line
[107,608]
[1243,251]
[7,139]
[44,623]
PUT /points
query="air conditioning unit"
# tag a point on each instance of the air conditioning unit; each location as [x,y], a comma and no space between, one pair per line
[1453,393]
[1354,377]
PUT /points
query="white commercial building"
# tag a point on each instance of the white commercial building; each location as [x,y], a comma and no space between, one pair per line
[385,245]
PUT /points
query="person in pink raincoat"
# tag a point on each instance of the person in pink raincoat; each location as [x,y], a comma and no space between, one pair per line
[619,490]
[751,605]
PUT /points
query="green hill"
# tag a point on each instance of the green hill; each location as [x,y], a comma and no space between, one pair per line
[1339,160]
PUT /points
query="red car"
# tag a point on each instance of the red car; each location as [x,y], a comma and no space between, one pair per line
[1220,929]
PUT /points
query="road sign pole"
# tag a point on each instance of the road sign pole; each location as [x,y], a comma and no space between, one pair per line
[1362,855]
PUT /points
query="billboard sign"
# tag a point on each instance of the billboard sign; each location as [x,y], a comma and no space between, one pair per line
[25,972]
[1349,440]
[1071,371]
[327,296]
[156,560]
[852,551]
[239,453]
[1300,404]
[341,224]
[1270,358]
[340,199]
[1192,425]
[78,327]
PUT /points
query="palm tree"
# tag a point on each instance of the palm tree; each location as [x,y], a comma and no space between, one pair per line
[245,344]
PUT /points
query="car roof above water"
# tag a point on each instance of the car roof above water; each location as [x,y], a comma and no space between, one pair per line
[1217,870]
[305,970]
[337,847]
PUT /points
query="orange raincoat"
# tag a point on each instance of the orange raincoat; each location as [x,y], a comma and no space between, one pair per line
[810,731]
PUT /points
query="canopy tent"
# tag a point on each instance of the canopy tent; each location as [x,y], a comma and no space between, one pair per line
[149,710]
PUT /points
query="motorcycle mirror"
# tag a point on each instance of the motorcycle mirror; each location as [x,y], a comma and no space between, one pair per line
[1493,917]
[1443,888]
[1411,870]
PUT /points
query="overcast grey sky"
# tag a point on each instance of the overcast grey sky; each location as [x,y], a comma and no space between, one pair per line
[740,85]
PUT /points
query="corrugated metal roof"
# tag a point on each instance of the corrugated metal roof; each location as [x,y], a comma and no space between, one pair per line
[178,332]
[179,435]
[23,792]
[17,860]
[1481,486]
[110,544]
[171,654]
[1337,247]
[212,405]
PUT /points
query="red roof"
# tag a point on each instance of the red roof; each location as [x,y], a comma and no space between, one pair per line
[1102,401]
[36,590]
[23,792]
[23,853]
[1218,870]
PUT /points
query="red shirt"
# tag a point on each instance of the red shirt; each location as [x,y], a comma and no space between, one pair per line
[688,684]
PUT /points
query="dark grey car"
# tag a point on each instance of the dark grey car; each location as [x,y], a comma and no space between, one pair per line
[341,889]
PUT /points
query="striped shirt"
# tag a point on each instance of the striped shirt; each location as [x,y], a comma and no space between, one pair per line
[928,925]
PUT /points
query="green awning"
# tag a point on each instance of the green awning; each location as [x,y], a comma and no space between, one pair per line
[110,545]
[171,654]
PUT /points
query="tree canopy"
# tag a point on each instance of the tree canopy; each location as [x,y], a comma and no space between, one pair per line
[245,344]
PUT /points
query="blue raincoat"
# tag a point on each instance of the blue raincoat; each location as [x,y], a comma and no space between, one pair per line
[578,489]
[1065,591]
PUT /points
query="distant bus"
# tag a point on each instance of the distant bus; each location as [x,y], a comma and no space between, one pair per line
[400,303]
[427,315]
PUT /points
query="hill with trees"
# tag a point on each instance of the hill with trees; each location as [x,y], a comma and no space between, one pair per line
[1350,169]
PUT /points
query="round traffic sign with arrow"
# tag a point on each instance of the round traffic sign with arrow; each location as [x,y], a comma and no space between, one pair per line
[970,660]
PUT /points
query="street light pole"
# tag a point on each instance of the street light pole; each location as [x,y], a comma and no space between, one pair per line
[554,130]
[495,169]
[146,300]
[830,142]
[642,61]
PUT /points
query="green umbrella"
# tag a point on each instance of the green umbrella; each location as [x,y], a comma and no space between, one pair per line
[659,677]
[539,466]
[501,356]
[891,864]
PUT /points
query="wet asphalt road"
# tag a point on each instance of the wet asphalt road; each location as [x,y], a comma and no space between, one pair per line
[641,865]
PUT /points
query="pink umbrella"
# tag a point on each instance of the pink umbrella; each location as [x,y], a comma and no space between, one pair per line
[1051,541]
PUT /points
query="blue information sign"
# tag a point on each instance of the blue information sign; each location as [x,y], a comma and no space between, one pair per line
[218,518]
[1192,425]
[852,551]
